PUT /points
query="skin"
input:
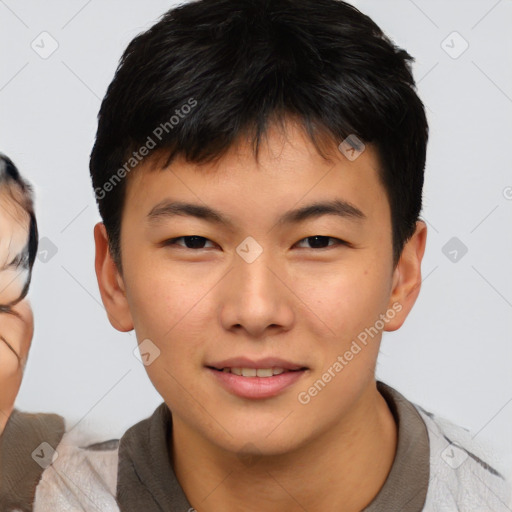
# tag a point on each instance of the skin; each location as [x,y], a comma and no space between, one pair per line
[16,324]
[14,233]
[295,301]
[16,331]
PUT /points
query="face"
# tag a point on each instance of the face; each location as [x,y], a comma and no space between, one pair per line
[263,289]
[16,331]
[14,235]
[16,324]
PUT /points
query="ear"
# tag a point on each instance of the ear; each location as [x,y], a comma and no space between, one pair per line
[110,282]
[407,277]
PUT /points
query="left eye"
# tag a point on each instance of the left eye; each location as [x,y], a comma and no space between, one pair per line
[319,241]
[197,242]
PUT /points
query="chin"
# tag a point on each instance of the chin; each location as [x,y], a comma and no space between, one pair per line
[259,444]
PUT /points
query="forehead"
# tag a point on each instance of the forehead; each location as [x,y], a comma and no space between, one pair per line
[288,168]
[11,209]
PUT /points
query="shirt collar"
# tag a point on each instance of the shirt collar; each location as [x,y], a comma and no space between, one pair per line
[146,479]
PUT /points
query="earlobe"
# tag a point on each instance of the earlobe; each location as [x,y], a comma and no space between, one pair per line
[110,282]
[407,277]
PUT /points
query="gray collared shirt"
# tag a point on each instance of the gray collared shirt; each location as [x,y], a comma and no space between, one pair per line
[145,476]
[146,479]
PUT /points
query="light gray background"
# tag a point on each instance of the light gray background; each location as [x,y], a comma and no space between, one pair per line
[453,355]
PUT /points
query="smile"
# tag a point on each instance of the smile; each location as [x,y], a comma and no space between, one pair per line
[256,383]
[254,372]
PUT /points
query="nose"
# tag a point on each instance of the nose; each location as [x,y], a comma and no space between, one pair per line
[256,298]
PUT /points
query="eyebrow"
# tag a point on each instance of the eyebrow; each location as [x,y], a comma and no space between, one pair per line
[168,209]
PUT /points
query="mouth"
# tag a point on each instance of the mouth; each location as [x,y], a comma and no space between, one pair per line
[256,379]
[256,372]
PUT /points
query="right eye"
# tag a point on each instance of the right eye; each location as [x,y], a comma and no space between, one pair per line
[193,242]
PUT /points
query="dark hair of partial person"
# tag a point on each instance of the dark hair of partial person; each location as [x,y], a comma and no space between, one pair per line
[21,192]
[248,63]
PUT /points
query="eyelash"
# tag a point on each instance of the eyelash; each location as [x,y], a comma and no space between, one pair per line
[172,241]
[17,261]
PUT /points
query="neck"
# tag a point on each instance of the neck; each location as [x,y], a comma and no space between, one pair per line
[341,470]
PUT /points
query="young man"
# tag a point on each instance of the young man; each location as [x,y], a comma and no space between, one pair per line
[258,168]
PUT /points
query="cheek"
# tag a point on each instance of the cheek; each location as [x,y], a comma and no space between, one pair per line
[10,368]
[168,306]
[350,305]
[167,311]
[156,306]
[343,303]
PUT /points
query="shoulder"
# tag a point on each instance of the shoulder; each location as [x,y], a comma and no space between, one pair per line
[82,475]
[25,445]
[463,475]
[47,466]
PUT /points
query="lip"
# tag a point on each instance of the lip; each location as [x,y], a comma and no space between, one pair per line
[266,362]
[256,387]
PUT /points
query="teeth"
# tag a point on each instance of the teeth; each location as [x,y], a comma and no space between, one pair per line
[254,372]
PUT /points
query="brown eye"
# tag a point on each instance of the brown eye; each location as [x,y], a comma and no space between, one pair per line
[321,242]
[191,242]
